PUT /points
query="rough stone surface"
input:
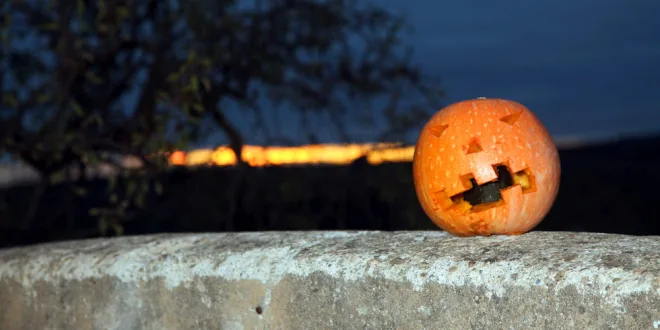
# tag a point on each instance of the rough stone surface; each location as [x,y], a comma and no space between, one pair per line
[334,280]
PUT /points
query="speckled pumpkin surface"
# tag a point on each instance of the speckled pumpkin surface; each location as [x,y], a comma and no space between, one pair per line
[486,166]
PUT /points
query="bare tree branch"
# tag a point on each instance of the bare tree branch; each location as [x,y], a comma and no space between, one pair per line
[142,77]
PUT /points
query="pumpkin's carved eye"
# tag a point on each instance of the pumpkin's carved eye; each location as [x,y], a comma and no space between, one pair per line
[474,147]
[512,118]
[438,130]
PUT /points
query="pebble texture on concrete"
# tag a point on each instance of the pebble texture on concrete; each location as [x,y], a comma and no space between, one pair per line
[334,280]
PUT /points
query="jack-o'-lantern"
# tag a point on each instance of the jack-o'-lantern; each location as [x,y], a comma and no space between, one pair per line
[486,167]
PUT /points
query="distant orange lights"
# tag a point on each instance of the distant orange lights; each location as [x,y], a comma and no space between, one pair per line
[309,154]
[178,158]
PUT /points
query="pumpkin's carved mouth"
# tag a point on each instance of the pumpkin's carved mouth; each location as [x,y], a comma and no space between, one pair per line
[481,197]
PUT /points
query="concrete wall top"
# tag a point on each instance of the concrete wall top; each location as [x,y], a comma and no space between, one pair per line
[334,280]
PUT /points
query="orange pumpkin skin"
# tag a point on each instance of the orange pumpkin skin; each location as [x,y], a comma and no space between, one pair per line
[468,139]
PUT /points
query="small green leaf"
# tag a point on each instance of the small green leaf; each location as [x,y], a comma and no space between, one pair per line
[140,201]
[103,226]
[162,96]
[194,83]
[83,26]
[80,191]
[11,100]
[81,8]
[50,26]
[144,186]
[92,159]
[122,12]
[77,109]
[43,98]
[112,183]
[207,84]
[94,118]
[198,107]
[118,229]
[158,187]
[174,76]
[132,187]
[93,78]
[99,120]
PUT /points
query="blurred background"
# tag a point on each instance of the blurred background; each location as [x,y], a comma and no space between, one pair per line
[132,117]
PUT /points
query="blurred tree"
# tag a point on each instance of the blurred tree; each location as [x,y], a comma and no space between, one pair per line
[85,81]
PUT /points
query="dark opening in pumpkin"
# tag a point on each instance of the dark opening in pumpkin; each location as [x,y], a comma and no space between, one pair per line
[482,197]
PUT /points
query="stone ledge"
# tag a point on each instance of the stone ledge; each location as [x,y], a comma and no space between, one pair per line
[334,280]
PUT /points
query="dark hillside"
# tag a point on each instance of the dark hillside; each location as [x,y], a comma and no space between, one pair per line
[610,188]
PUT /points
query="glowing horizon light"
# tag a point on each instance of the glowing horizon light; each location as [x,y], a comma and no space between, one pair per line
[314,154]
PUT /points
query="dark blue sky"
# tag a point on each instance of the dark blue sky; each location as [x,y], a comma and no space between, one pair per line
[587,68]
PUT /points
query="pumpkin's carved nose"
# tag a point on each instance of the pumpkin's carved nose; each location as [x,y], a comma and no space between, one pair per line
[474,147]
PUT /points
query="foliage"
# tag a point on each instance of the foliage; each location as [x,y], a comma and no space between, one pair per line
[86,81]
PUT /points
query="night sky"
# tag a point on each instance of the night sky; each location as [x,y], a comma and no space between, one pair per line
[587,68]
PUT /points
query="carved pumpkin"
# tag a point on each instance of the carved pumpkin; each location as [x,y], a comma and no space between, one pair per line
[484,167]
